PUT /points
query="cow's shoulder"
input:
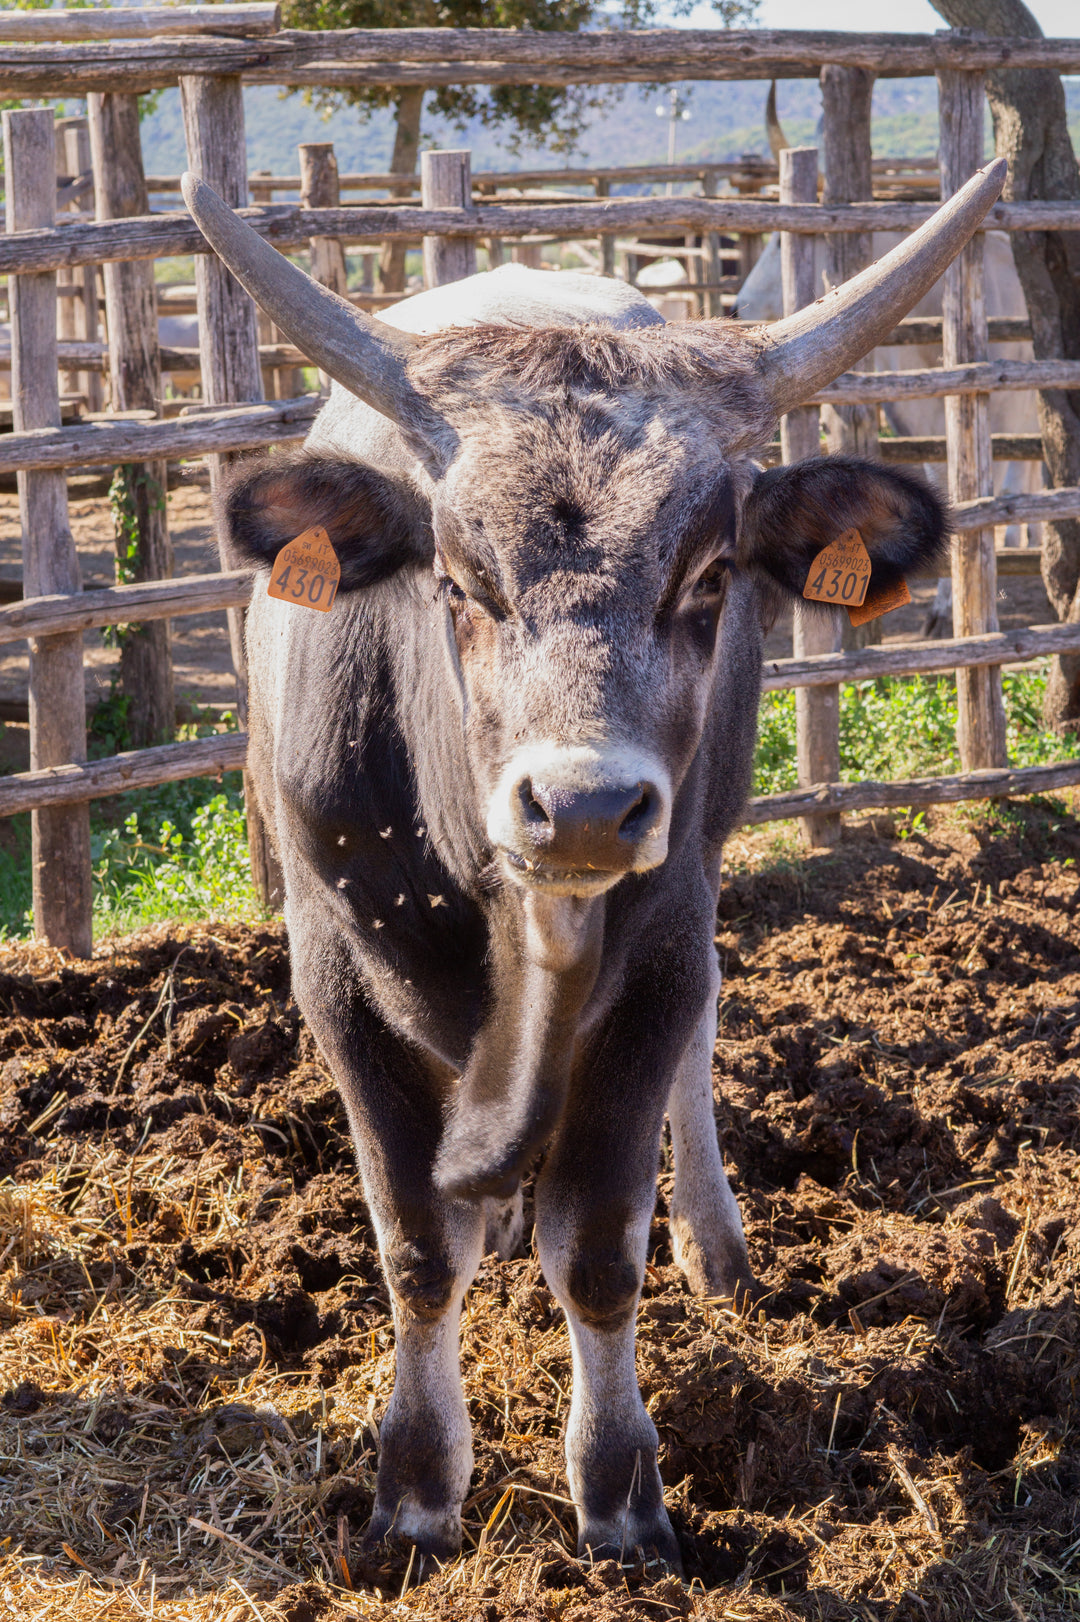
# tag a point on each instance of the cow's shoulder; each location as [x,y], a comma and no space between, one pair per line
[526,297]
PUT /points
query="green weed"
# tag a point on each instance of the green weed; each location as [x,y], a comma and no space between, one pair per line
[190,861]
[905,726]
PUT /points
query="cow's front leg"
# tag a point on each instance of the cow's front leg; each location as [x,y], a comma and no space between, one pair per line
[594,1203]
[425,1446]
[430,1246]
[706,1228]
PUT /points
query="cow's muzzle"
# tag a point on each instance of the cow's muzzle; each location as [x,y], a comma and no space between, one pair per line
[573,819]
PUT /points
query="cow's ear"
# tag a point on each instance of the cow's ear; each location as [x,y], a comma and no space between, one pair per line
[377,521]
[793,512]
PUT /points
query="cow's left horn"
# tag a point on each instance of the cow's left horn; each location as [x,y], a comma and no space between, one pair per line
[365,356]
[808,350]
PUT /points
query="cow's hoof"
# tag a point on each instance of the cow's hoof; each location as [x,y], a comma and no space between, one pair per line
[716,1270]
[436,1533]
[651,1542]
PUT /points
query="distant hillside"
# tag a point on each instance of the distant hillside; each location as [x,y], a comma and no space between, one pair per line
[726,120]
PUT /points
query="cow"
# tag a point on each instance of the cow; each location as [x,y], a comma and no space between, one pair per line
[499,772]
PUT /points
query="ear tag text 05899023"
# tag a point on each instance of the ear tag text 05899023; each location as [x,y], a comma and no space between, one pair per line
[840,573]
[306,572]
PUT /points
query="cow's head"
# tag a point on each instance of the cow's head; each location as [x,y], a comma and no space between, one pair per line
[583,499]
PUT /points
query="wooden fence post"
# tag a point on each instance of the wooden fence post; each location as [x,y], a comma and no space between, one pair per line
[60,837]
[273,377]
[143,548]
[213,110]
[445,182]
[847,94]
[78,312]
[713,262]
[321,188]
[817,710]
[980,707]
[607,238]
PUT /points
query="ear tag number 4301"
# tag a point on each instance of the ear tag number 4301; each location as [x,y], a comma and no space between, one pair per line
[840,573]
[306,572]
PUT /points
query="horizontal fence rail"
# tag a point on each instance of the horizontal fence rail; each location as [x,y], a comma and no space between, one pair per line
[124,605]
[763,170]
[120,774]
[238,20]
[990,784]
[462,56]
[162,236]
[921,658]
[206,432]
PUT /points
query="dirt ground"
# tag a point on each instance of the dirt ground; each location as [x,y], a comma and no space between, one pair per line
[194,1336]
[201,656]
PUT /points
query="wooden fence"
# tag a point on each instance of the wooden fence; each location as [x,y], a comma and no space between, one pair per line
[104,54]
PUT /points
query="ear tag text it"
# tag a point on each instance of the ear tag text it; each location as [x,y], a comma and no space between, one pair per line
[306,572]
[840,573]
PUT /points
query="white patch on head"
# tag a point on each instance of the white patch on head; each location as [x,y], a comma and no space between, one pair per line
[581,768]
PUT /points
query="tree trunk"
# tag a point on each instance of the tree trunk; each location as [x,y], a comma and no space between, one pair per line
[1030,129]
[410,105]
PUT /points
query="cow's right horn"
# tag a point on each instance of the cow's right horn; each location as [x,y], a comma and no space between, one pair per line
[365,356]
[808,350]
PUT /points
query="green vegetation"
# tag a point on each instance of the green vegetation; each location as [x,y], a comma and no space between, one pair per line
[178,851]
[905,726]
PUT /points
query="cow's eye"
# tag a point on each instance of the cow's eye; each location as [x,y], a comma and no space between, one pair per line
[711,582]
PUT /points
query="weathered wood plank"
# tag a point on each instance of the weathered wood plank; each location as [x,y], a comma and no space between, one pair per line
[977,785]
[980,377]
[980,705]
[437,56]
[922,658]
[204,433]
[817,712]
[125,605]
[146,673]
[229,353]
[691,49]
[445,185]
[1040,507]
[60,839]
[77,316]
[245,20]
[170,234]
[46,792]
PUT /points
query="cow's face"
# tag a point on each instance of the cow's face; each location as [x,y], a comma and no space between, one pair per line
[582,552]
[577,529]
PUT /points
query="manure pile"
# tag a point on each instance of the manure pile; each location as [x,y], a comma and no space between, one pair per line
[195,1346]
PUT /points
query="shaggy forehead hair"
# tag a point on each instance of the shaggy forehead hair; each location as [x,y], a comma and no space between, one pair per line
[700,377]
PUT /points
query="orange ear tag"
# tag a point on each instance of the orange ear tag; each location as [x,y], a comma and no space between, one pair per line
[306,572]
[840,573]
[882,600]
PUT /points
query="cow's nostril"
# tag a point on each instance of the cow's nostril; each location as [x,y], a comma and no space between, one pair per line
[638,815]
[533,810]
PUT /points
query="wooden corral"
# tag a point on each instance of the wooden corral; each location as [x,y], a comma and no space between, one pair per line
[49,258]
